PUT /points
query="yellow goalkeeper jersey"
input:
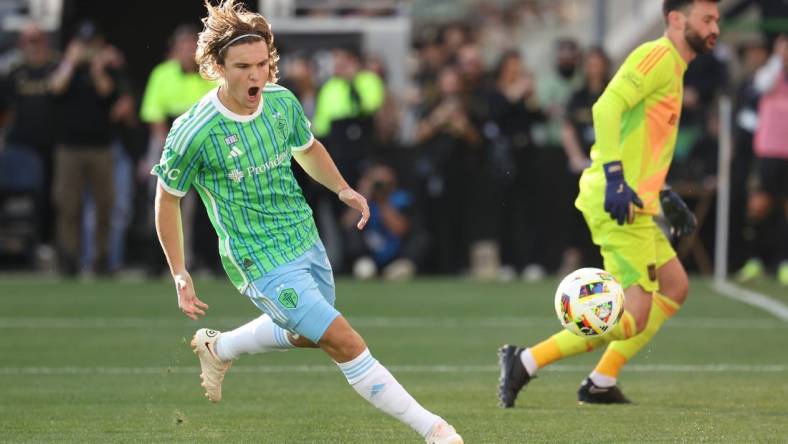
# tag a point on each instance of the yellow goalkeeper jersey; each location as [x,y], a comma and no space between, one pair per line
[636,121]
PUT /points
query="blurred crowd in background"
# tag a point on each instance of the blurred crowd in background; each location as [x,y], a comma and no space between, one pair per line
[472,170]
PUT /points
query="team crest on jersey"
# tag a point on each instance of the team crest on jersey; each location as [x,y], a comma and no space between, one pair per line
[280,126]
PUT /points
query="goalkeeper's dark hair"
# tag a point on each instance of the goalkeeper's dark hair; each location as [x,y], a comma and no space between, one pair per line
[669,6]
[227,25]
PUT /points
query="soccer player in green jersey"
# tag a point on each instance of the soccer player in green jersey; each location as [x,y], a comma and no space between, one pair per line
[235,147]
[636,122]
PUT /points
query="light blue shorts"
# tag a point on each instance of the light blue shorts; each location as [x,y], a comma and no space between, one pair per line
[299,295]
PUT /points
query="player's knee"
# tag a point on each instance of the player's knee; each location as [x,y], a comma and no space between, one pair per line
[347,347]
[641,318]
[301,341]
[682,290]
[677,289]
[341,342]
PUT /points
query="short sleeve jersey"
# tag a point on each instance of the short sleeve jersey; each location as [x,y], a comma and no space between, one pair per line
[650,83]
[240,167]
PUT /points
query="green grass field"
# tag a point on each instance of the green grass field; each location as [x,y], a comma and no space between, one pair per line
[109,362]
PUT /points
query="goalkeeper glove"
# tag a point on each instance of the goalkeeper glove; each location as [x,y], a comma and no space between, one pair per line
[619,197]
[682,221]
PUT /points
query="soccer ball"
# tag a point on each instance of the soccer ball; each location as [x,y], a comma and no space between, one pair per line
[589,302]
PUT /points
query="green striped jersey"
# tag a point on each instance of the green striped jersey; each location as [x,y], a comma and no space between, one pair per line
[240,167]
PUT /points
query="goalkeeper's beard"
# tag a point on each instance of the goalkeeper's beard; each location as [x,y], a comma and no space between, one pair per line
[698,43]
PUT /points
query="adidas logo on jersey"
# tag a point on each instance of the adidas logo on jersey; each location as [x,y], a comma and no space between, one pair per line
[234,152]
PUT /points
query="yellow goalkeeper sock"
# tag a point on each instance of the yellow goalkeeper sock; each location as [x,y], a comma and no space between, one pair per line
[625,328]
[621,351]
[565,343]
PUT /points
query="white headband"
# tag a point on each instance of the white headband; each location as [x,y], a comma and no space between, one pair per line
[242,36]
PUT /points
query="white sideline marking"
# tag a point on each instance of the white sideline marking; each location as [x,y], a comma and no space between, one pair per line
[371,322]
[765,303]
[638,368]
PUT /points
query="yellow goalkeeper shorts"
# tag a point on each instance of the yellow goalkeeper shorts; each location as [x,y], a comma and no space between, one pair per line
[631,252]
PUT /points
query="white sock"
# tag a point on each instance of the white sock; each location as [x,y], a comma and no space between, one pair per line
[258,336]
[527,358]
[375,384]
[601,380]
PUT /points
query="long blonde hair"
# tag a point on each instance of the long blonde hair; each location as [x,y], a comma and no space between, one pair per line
[223,26]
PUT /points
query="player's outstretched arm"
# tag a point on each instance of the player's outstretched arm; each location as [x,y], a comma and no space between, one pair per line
[316,161]
[170,232]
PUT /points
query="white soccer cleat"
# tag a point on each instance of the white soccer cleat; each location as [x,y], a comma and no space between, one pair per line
[212,369]
[443,433]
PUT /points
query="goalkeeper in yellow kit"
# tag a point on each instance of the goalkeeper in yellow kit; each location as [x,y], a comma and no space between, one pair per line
[636,122]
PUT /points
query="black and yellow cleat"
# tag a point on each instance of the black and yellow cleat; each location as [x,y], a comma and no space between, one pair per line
[513,375]
[593,394]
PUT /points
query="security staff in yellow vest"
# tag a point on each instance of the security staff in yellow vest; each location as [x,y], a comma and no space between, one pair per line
[344,112]
[173,87]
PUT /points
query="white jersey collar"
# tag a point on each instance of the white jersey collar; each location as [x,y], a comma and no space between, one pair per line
[214,96]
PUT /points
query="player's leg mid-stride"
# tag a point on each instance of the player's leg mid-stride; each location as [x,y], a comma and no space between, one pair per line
[363,372]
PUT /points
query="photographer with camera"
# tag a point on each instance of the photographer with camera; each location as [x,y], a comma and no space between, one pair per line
[393,241]
[86,86]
